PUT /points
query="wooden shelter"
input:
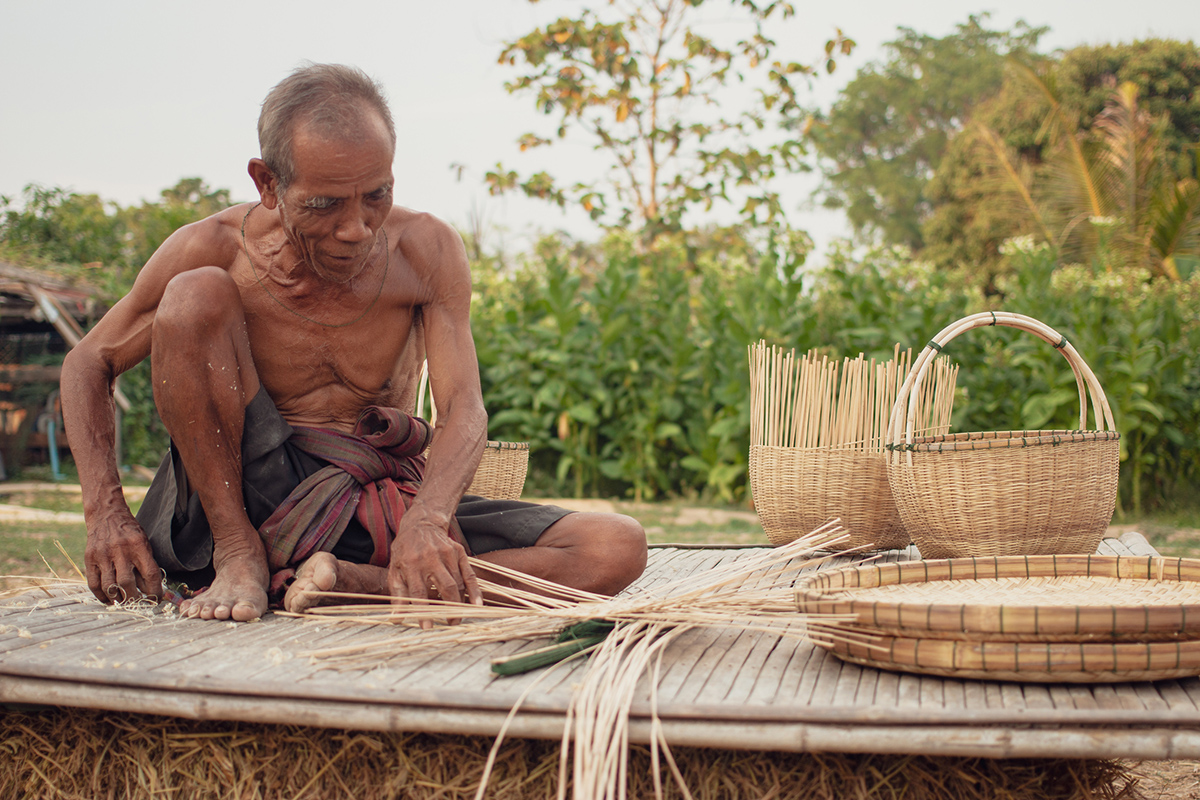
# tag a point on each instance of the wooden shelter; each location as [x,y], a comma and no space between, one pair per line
[42,316]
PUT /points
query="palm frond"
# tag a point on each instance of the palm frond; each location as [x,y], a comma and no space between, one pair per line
[1176,211]
[1012,178]
[1059,127]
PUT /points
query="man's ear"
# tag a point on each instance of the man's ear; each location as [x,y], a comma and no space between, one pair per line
[265,181]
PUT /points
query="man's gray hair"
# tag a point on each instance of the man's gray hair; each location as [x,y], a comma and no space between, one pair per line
[330,96]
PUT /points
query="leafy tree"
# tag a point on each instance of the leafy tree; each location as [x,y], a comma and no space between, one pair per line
[1166,74]
[1069,140]
[69,233]
[55,225]
[644,82]
[190,200]
[64,228]
[884,138]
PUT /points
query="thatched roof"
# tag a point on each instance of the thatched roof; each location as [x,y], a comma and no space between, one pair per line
[21,286]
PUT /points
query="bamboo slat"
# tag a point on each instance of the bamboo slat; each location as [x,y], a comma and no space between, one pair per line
[730,689]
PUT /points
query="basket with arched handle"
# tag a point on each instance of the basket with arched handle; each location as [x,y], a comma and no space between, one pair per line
[502,469]
[1004,493]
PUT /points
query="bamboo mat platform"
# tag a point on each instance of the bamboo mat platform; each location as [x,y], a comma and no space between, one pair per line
[718,688]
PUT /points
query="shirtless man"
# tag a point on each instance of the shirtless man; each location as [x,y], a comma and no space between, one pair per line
[306,309]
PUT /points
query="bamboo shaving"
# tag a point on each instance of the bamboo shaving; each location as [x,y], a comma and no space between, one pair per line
[755,593]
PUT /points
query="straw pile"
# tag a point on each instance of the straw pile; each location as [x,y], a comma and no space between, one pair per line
[817,434]
[85,755]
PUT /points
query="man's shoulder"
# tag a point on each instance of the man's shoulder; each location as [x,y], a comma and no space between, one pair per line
[424,239]
[420,225]
[212,241]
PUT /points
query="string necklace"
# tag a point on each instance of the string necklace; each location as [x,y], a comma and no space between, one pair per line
[387,255]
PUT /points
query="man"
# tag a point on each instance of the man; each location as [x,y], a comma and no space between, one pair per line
[282,337]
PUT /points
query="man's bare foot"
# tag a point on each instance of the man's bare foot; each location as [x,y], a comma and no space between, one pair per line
[239,592]
[321,572]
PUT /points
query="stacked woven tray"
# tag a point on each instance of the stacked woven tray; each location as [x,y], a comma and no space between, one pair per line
[1050,618]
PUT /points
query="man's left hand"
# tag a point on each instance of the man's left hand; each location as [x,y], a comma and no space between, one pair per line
[426,562]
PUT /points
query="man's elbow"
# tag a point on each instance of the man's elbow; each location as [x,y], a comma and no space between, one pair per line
[82,369]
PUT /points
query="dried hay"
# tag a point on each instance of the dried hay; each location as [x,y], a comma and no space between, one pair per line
[86,755]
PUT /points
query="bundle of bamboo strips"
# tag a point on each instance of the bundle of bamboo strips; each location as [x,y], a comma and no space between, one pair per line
[817,402]
[753,593]
[818,427]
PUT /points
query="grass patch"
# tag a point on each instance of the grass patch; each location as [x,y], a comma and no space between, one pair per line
[684,523]
[44,500]
[28,548]
[1173,533]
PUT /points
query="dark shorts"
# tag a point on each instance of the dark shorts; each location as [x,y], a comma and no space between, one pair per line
[182,543]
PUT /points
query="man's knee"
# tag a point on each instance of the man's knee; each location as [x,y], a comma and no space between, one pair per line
[627,538]
[614,546]
[195,300]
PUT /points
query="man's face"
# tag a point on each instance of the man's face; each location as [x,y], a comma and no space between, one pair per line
[341,195]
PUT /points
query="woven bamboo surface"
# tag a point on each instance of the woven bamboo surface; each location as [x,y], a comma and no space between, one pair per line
[1004,493]
[501,473]
[809,487]
[727,688]
[1039,618]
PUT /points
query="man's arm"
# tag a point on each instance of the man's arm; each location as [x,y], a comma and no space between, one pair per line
[118,552]
[423,555]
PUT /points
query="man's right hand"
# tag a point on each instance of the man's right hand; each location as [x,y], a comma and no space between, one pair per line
[119,562]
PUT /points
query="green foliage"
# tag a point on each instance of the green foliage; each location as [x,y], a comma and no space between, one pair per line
[80,232]
[627,373]
[1166,74]
[144,438]
[75,234]
[890,126]
[1106,131]
[57,226]
[643,83]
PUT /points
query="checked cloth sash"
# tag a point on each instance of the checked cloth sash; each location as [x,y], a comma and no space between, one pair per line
[373,475]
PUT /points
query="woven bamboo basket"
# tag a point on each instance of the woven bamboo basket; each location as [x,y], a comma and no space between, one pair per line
[502,469]
[817,436]
[1025,618]
[798,490]
[1007,492]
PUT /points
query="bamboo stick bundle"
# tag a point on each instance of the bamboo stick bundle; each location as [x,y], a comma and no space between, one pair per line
[811,401]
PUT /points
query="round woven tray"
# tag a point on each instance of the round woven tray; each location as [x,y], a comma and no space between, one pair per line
[1042,662]
[1015,598]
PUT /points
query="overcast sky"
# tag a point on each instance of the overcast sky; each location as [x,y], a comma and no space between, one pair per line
[122,98]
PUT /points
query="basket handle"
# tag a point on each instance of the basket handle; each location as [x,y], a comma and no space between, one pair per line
[903,419]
